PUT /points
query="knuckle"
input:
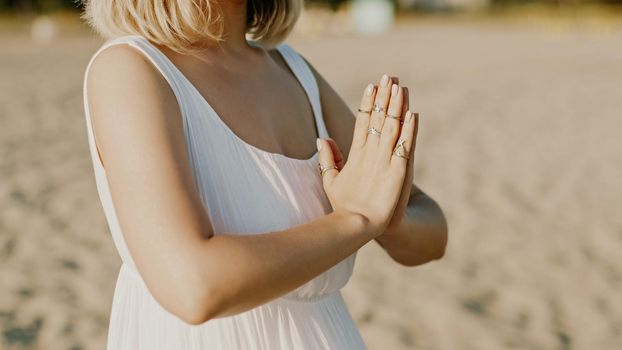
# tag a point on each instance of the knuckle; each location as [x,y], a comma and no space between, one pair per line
[390,127]
[375,118]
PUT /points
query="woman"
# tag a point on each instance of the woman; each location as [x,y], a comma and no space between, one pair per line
[200,139]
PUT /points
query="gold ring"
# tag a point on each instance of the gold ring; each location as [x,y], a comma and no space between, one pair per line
[394,116]
[364,111]
[325,169]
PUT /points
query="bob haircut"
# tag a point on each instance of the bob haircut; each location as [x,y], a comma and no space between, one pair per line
[182,25]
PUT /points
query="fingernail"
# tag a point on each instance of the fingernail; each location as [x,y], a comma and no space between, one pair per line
[393,90]
[384,81]
[409,116]
[319,144]
[369,89]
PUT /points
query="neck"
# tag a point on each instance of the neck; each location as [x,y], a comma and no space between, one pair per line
[234,42]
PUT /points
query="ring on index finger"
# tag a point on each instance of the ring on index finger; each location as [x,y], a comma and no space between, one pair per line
[364,111]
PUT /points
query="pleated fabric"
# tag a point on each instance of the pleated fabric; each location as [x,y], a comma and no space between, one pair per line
[245,190]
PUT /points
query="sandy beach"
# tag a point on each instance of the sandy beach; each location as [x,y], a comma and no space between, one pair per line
[519,143]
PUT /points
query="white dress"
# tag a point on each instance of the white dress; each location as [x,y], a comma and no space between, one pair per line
[245,190]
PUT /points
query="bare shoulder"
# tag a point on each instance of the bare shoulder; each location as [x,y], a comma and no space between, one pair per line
[128,98]
[338,117]
[119,62]
[122,74]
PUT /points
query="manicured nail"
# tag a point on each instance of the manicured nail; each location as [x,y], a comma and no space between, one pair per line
[369,89]
[319,144]
[384,81]
[409,116]
[393,90]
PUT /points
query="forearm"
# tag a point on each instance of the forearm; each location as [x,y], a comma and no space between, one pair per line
[242,272]
[421,235]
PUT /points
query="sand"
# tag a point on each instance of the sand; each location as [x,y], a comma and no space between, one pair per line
[519,143]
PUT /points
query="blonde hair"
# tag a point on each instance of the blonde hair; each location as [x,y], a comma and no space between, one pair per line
[183,25]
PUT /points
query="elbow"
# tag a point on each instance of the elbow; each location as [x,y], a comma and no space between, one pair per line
[194,313]
[196,300]
[435,251]
[441,229]
[439,253]
[193,318]
[420,259]
[443,237]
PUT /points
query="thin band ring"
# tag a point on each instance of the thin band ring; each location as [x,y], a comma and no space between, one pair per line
[325,169]
[374,131]
[377,108]
[364,111]
[394,116]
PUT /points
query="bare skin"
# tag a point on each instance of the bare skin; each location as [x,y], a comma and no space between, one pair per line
[166,228]
[417,233]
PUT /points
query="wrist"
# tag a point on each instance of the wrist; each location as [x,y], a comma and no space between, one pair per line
[356,223]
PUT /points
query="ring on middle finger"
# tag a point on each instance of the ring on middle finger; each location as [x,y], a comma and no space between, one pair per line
[377,107]
[374,131]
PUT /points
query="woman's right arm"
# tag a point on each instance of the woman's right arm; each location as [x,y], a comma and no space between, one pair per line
[191,272]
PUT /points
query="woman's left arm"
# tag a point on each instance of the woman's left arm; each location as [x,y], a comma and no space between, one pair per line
[418,232]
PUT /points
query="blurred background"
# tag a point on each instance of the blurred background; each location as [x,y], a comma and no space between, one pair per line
[520,143]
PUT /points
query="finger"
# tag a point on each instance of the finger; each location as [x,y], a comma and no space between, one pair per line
[337,155]
[362,118]
[405,104]
[411,157]
[405,109]
[410,162]
[391,126]
[381,103]
[407,139]
[326,160]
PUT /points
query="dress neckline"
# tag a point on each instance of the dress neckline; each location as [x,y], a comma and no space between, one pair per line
[227,129]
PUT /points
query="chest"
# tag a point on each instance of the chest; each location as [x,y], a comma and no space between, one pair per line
[265,106]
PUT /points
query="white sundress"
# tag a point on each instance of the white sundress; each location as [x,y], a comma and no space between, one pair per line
[248,191]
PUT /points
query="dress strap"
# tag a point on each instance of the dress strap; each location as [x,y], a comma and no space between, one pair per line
[305,76]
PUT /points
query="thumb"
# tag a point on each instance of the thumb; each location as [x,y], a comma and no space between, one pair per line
[337,155]
[326,159]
